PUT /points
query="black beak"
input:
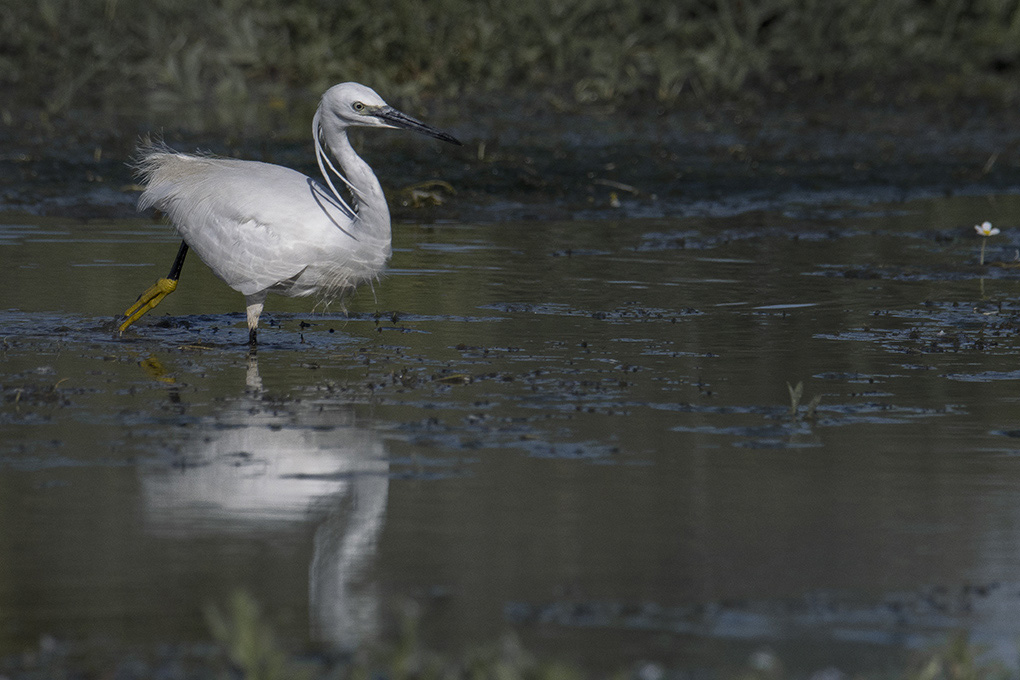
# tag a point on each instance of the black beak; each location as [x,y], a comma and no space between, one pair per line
[402,120]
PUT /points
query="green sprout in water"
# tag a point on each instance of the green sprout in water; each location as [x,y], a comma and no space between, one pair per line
[985,229]
[796,394]
[249,643]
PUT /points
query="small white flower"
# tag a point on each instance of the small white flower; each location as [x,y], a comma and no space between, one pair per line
[986,229]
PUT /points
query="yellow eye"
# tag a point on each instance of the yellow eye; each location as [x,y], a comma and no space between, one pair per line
[359,107]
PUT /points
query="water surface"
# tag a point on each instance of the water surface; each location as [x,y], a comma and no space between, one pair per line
[580,430]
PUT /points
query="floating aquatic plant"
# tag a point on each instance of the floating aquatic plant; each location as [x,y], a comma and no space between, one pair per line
[985,229]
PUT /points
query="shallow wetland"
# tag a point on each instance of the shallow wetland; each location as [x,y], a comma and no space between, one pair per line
[675,424]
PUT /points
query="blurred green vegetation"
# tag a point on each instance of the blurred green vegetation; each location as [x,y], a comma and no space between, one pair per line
[66,53]
[244,646]
[245,638]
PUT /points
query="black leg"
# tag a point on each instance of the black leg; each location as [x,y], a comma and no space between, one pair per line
[175,270]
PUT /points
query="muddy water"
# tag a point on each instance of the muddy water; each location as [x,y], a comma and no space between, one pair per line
[581,431]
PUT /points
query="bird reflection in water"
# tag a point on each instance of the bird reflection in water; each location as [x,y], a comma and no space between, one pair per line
[261,464]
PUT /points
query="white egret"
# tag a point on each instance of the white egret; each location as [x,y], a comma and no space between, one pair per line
[264,228]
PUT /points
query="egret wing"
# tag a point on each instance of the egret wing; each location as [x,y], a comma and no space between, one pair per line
[256,225]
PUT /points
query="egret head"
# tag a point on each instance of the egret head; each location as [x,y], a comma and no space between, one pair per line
[348,105]
[353,104]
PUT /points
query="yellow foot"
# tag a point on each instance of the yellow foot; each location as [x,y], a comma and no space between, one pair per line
[147,300]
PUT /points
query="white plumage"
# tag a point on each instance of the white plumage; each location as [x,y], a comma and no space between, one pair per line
[293,244]
[264,228]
